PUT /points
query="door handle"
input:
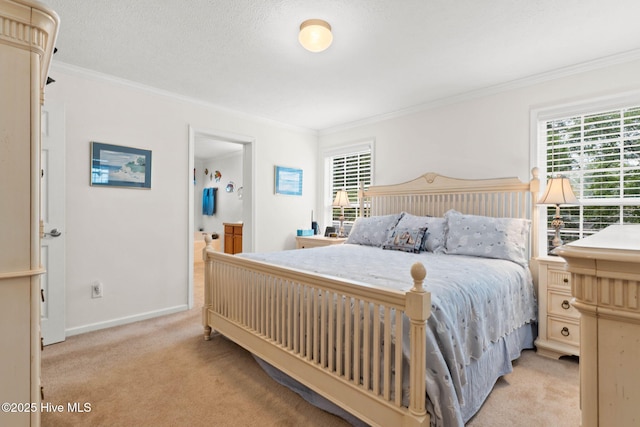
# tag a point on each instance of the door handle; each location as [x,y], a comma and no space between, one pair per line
[54,233]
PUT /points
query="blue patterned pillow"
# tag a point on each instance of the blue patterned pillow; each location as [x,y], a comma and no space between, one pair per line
[373,231]
[434,236]
[482,236]
[406,239]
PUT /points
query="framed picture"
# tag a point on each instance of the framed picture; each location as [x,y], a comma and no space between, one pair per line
[118,166]
[288,181]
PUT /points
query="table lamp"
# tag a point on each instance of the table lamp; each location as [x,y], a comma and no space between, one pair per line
[341,201]
[558,192]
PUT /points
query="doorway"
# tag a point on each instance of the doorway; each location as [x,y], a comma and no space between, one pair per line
[223,140]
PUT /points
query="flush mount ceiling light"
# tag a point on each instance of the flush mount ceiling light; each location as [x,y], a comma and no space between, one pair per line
[315,35]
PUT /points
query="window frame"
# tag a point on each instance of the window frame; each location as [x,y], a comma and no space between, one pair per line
[539,116]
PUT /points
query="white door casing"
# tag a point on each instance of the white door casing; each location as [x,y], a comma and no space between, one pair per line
[248,199]
[53,218]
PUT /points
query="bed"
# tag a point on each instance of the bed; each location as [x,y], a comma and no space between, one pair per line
[411,321]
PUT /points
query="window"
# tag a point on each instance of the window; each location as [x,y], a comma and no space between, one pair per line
[600,153]
[348,170]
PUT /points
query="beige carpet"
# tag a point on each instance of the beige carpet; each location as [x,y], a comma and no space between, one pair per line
[161,372]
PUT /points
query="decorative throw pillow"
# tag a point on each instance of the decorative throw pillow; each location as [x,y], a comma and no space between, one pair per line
[406,239]
[482,236]
[434,236]
[373,231]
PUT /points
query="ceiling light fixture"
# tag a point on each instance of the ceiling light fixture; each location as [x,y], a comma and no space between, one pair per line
[315,35]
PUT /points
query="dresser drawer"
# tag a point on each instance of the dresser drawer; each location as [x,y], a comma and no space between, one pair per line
[559,279]
[559,304]
[563,330]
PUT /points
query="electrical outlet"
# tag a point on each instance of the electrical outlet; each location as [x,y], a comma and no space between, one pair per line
[96,289]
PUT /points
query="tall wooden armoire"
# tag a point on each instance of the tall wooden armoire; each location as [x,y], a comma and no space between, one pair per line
[28,31]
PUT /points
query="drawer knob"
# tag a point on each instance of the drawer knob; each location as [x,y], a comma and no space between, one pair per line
[565,280]
[566,305]
[565,332]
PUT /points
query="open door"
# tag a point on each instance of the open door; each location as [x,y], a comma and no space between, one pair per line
[53,216]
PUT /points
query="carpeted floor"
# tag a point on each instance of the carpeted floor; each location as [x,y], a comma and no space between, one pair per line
[160,372]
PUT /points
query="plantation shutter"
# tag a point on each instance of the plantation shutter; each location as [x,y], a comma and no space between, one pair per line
[349,172]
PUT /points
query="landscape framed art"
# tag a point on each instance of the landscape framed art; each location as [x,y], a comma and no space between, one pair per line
[120,166]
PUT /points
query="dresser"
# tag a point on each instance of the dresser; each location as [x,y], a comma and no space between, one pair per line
[558,319]
[303,242]
[27,36]
[232,238]
[605,282]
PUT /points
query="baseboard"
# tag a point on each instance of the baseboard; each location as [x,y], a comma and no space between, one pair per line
[124,320]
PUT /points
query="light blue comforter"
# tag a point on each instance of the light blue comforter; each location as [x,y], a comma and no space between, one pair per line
[474,302]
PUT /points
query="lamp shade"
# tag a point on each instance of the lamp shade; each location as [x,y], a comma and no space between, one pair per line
[342,199]
[315,35]
[558,192]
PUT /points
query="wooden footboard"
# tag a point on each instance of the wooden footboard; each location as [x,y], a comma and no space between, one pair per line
[335,336]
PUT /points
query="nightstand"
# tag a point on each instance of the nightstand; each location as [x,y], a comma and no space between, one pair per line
[303,242]
[558,320]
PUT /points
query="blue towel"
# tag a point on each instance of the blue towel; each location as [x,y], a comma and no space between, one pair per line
[205,200]
[209,201]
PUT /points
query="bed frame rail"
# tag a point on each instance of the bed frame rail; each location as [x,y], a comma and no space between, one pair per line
[303,324]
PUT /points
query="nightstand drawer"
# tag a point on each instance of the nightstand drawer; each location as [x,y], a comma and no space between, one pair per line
[559,304]
[558,320]
[559,279]
[567,331]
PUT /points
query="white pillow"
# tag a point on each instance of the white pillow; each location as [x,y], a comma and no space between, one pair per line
[482,236]
[374,230]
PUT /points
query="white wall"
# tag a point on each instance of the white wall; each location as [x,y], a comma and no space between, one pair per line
[481,137]
[135,241]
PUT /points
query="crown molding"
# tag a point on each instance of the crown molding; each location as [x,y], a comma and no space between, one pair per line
[596,64]
[600,63]
[95,75]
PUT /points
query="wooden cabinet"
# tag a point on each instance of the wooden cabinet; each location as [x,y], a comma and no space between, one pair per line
[27,37]
[232,238]
[558,320]
[605,281]
[315,241]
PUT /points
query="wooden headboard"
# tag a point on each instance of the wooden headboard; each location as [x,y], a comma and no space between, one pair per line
[433,195]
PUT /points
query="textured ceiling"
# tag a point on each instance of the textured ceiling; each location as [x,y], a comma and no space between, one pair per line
[387,56]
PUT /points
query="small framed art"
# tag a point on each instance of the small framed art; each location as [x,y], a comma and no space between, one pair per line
[288,181]
[118,166]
